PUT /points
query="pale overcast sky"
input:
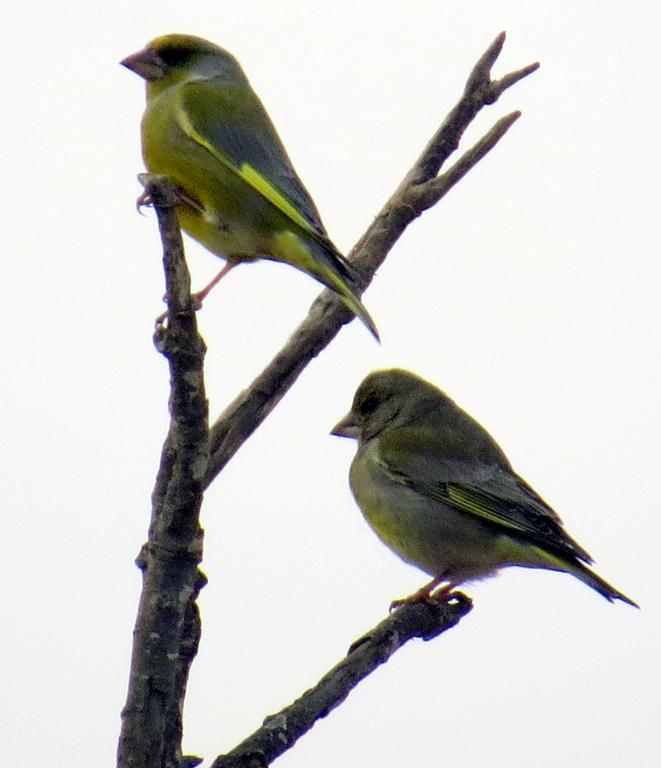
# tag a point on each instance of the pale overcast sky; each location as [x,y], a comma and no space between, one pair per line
[530,294]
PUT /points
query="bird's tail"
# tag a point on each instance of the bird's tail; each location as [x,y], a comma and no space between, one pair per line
[320,258]
[600,585]
[357,307]
[578,569]
[341,276]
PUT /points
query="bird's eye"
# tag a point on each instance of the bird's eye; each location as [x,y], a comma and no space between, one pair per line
[174,54]
[369,404]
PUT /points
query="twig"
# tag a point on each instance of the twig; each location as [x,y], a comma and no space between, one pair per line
[167,627]
[281,731]
[421,189]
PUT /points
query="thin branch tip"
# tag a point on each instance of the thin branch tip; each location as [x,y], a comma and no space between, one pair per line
[489,57]
[499,42]
[510,119]
[507,81]
[480,75]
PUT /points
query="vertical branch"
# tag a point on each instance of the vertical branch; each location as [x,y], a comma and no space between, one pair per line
[167,629]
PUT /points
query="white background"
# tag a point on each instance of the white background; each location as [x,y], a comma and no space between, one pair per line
[531,294]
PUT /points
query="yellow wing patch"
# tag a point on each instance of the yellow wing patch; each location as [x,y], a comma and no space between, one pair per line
[463,499]
[249,174]
[273,195]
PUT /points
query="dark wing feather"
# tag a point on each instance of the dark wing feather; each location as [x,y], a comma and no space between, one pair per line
[232,119]
[492,492]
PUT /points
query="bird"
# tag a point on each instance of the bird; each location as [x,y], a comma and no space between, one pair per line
[206,129]
[438,490]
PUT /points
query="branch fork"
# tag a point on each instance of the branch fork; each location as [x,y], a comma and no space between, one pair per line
[167,630]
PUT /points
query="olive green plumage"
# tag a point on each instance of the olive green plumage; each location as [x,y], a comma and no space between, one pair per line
[207,130]
[439,491]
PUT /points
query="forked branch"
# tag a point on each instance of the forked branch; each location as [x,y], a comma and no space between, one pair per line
[422,187]
[167,627]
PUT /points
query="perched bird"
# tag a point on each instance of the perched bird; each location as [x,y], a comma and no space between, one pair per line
[440,493]
[207,130]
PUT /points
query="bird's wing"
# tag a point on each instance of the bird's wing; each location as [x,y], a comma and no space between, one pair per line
[233,126]
[491,492]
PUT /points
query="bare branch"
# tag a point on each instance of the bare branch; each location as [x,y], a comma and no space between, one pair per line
[509,80]
[167,628]
[420,189]
[480,75]
[424,196]
[282,730]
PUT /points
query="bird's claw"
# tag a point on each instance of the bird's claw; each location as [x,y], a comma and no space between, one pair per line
[195,305]
[438,590]
[143,200]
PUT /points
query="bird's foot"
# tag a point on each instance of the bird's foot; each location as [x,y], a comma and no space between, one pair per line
[167,195]
[198,297]
[143,200]
[428,592]
[196,304]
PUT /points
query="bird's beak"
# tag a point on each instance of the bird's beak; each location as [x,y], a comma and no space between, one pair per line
[146,63]
[346,427]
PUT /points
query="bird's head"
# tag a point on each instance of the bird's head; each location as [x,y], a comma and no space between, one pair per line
[388,398]
[175,58]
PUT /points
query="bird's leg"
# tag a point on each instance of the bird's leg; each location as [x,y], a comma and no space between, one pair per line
[424,593]
[198,298]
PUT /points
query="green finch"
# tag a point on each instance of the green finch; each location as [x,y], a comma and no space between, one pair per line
[206,129]
[440,493]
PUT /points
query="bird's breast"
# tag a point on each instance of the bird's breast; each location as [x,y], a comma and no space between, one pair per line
[422,530]
[229,217]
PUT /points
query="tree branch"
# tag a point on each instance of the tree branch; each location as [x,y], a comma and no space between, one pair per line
[167,628]
[281,731]
[421,188]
